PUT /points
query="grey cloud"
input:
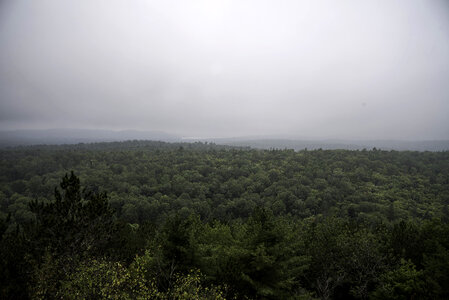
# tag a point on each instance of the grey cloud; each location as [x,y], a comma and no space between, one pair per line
[333,69]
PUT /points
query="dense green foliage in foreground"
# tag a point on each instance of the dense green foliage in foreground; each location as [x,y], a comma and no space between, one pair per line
[184,221]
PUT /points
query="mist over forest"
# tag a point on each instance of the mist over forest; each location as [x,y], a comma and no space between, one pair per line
[375,70]
[224,149]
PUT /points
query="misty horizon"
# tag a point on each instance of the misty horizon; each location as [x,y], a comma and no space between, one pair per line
[90,133]
[376,70]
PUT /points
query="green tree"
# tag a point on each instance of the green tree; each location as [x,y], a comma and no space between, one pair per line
[403,282]
[74,226]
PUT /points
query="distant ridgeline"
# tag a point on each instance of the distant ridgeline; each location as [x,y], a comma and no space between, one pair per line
[430,145]
[206,221]
[131,145]
[76,136]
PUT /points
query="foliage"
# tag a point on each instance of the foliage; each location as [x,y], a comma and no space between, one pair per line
[101,279]
[404,282]
[201,221]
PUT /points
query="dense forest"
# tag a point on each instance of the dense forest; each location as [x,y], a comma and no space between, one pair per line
[155,220]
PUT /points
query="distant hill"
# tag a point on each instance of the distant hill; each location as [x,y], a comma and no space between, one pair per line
[75,136]
[438,145]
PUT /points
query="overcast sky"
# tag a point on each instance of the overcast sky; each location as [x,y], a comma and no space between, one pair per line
[374,69]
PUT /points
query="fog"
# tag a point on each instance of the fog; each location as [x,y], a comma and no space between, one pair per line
[352,69]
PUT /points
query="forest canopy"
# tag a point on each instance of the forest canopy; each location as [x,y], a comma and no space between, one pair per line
[144,219]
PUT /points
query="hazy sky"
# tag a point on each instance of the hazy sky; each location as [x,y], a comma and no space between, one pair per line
[218,68]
